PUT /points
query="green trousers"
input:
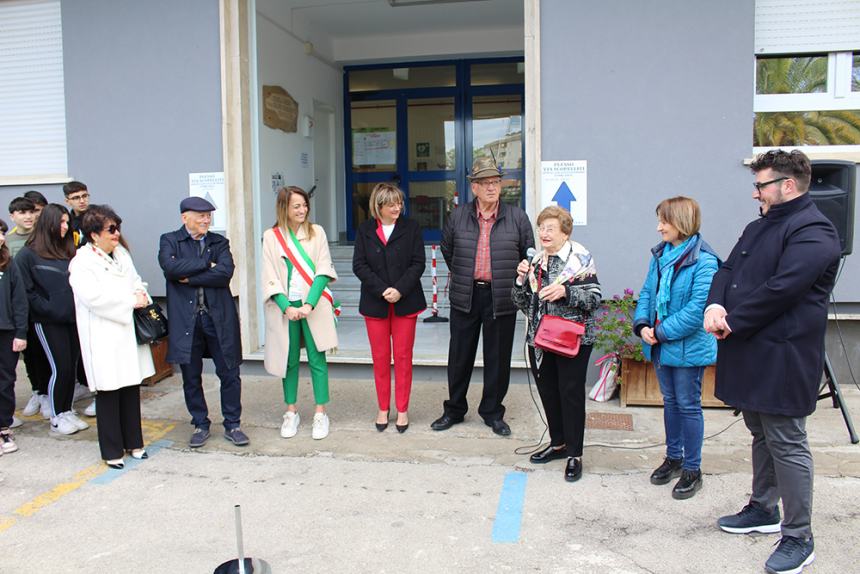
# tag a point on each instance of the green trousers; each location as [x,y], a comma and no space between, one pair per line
[316,363]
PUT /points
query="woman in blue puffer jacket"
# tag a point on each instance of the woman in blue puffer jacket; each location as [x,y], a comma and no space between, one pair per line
[669,317]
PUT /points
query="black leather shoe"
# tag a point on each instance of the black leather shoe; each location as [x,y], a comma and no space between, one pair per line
[689,484]
[500,427]
[381,426]
[548,454]
[671,468]
[445,422]
[401,428]
[573,470]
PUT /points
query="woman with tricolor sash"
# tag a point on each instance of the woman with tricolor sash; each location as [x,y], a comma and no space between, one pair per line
[300,309]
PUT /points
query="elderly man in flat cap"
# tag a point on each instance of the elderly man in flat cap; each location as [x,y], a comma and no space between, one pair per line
[482,243]
[198,267]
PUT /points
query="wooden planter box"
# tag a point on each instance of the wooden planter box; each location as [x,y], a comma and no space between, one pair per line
[639,385]
[163,369]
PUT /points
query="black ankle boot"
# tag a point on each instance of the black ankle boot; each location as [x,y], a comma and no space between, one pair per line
[689,484]
[671,468]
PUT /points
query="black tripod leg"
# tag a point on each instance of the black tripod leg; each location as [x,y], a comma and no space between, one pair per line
[838,401]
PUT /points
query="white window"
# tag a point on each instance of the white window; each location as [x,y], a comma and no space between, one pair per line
[32,105]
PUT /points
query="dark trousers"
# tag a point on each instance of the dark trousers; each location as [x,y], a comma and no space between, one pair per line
[206,339]
[63,351]
[36,363]
[498,333]
[782,468]
[118,415]
[8,362]
[561,385]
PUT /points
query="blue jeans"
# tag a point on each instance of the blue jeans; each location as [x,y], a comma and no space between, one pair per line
[682,412]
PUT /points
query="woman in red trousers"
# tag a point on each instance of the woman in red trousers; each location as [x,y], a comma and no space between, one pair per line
[389,260]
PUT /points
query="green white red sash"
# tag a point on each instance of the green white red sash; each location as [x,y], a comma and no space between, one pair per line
[303,264]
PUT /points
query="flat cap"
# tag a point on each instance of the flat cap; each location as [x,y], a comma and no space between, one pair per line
[195,204]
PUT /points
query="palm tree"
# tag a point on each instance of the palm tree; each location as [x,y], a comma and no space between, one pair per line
[800,76]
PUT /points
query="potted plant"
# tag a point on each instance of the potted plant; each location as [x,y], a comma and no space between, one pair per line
[639,385]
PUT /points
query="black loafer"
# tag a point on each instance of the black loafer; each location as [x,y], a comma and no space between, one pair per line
[500,427]
[548,454]
[573,470]
[445,422]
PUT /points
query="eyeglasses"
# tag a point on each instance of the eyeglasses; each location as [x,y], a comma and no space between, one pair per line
[112,228]
[489,182]
[764,184]
[80,197]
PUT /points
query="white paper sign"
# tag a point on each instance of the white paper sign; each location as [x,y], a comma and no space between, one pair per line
[565,183]
[374,147]
[210,186]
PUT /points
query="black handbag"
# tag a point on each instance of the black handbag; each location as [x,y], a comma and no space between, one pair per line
[150,324]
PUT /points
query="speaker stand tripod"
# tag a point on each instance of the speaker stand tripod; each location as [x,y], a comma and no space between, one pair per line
[838,402]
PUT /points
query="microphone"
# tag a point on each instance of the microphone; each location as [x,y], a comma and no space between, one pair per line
[530,253]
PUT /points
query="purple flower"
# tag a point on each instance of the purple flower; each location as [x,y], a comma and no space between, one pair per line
[628,292]
[616,298]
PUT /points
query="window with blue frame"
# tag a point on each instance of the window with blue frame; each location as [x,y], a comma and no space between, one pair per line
[421,125]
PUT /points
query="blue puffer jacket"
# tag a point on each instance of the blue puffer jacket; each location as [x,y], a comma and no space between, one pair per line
[683,340]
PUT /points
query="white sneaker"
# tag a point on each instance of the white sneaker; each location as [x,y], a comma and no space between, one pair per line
[16,422]
[7,442]
[79,424]
[320,429]
[33,405]
[61,424]
[81,392]
[90,411]
[45,406]
[291,424]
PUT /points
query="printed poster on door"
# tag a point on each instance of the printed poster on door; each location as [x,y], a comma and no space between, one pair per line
[374,146]
[565,183]
[210,186]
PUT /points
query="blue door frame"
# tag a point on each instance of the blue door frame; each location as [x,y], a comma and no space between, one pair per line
[463,94]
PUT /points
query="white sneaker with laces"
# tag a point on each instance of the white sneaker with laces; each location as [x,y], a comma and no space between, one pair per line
[291,424]
[61,424]
[45,406]
[33,405]
[90,411]
[320,428]
[79,424]
[16,422]
[7,442]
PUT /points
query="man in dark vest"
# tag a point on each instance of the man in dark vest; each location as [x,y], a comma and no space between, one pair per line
[198,267]
[768,308]
[482,243]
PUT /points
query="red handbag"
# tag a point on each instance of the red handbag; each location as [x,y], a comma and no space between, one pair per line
[557,334]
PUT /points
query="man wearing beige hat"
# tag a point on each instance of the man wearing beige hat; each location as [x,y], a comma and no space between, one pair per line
[482,243]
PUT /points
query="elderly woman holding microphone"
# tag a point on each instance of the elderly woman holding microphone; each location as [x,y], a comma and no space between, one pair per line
[107,288]
[560,280]
[299,307]
[389,260]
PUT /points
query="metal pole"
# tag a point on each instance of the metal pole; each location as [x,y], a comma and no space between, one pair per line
[239,545]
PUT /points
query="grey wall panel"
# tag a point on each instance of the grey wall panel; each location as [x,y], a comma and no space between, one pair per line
[143,109]
[657,95]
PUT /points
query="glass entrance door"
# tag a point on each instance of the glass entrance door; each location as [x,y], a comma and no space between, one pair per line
[422,126]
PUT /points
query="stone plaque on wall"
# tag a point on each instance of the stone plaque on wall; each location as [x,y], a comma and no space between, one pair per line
[280,110]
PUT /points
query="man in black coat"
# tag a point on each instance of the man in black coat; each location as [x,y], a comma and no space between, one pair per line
[198,267]
[482,243]
[768,308]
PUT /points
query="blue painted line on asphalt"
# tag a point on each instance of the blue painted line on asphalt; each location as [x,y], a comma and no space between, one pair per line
[509,514]
[131,463]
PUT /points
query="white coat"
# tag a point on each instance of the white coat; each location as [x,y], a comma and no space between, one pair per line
[104,299]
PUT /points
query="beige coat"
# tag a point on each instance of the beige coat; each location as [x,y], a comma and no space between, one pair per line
[321,319]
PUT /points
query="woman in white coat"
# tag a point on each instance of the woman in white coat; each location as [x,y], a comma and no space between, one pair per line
[299,307]
[107,288]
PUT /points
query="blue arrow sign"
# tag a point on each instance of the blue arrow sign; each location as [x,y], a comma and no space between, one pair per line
[564,197]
